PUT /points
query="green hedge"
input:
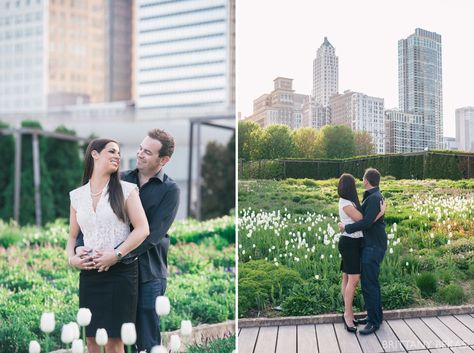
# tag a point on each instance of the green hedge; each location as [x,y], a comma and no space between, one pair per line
[430,165]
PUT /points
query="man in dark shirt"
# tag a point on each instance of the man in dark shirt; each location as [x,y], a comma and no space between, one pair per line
[374,245]
[160,199]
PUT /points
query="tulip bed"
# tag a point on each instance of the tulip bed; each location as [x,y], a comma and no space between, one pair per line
[288,256]
[35,278]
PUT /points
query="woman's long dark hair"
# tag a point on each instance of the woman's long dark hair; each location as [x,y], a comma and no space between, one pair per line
[347,189]
[116,199]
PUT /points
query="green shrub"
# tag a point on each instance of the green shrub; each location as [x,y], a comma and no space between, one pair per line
[396,295]
[223,345]
[312,298]
[470,270]
[452,294]
[427,283]
[9,237]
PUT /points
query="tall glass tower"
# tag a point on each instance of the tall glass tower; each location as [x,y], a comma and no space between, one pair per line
[420,84]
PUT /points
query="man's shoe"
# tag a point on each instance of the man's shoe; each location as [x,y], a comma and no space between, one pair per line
[361,321]
[368,329]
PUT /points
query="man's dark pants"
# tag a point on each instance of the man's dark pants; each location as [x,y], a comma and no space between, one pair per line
[371,260]
[148,322]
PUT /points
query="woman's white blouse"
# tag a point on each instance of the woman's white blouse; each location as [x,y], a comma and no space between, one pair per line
[345,219]
[101,228]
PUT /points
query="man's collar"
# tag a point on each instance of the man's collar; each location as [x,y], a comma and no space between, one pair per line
[370,191]
[160,175]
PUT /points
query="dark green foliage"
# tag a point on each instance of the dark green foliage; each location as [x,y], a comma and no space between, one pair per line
[396,296]
[261,283]
[427,283]
[313,298]
[7,158]
[222,345]
[452,294]
[218,173]
[430,165]
[65,167]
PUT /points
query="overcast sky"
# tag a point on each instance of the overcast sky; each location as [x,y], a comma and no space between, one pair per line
[280,38]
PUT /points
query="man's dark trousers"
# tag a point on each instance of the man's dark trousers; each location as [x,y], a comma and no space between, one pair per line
[148,322]
[372,257]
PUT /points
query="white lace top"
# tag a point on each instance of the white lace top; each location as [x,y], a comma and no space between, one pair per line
[345,219]
[101,228]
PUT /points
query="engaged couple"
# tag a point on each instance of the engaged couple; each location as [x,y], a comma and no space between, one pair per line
[118,238]
[362,246]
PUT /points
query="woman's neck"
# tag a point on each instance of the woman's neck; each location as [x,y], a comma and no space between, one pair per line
[99,180]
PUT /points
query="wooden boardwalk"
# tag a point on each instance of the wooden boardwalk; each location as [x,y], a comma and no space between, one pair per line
[441,334]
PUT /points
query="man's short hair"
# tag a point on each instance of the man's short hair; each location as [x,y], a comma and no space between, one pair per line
[167,141]
[372,175]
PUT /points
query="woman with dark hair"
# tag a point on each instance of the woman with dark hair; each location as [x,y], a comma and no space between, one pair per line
[350,244]
[103,209]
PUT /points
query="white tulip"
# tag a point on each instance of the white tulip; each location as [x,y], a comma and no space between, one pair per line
[175,343]
[101,337]
[186,328]
[47,322]
[159,349]
[77,346]
[34,347]
[162,305]
[84,316]
[128,334]
[67,334]
[75,330]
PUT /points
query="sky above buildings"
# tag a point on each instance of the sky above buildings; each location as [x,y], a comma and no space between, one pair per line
[280,38]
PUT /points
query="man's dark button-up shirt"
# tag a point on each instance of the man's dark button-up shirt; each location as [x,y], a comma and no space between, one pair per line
[160,200]
[374,233]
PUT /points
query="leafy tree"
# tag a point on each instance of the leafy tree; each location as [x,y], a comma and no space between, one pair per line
[307,143]
[249,131]
[218,173]
[7,157]
[364,144]
[65,166]
[337,141]
[277,142]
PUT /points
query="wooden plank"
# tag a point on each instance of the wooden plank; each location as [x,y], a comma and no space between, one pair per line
[441,350]
[307,339]
[267,338]
[369,343]
[327,341]
[247,339]
[348,342]
[456,326]
[405,335]
[443,332]
[286,339]
[467,320]
[464,349]
[388,340]
[423,332]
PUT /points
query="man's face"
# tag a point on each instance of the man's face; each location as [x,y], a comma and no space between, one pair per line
[148,158]
[366,183]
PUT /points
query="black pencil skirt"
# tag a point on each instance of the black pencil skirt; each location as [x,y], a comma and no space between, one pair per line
[350,250]
[111,296]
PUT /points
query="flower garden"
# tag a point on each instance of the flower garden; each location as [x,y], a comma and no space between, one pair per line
[36,279]
[288,257]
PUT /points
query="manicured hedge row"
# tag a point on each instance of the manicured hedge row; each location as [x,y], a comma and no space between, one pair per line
[429,165]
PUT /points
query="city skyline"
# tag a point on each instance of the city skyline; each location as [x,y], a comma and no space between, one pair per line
[368,52]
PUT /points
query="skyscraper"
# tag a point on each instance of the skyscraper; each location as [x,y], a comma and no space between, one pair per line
[420,82]
[465,128]
[325,73]
[184,56]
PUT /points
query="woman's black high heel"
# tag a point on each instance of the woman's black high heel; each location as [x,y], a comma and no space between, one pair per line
[352,329]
